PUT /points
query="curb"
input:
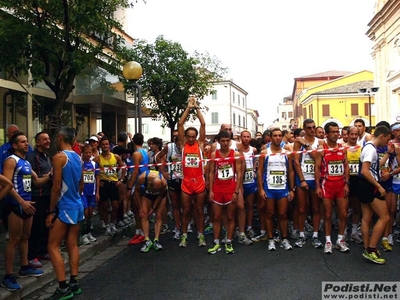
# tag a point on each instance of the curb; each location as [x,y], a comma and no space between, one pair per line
[31,284]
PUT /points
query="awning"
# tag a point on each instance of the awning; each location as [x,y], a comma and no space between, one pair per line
[101,103]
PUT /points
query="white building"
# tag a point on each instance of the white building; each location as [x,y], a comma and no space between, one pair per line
[226,104]
[285,113]
[384,32]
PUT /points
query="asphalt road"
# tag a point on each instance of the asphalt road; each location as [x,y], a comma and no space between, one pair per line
[252,272]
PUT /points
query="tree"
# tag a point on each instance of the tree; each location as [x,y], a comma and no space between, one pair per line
[170,75]
[55,40]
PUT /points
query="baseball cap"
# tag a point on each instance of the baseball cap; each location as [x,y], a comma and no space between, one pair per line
[93,138]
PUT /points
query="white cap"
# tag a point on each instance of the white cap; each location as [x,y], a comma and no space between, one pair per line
[93,138]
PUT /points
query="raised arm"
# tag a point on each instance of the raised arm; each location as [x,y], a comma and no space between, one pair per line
[182,121]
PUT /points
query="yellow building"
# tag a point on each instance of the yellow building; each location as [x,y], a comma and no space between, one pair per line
[339,100]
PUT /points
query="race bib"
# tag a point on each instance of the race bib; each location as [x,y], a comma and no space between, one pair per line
[248,176]
[110,171]
[88,177]
[353,166]
[27,183]
[335,168]
[277,178]
[308,167]
[192,161]
[225,172]
[176,167]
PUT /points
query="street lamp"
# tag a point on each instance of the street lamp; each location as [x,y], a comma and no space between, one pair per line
[132,71]
[369,92]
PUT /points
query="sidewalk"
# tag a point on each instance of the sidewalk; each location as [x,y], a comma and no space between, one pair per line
[31,284]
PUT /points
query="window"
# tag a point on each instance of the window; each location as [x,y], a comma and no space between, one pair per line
[214,118]
[354,109]
[244,122]
[243,102]
[145,128]
[304,113]
[233,97]
[290,113]
[234,119]
[239,100]
[366,109]
[214,95]
[325,110]
[239,120]
[284,115]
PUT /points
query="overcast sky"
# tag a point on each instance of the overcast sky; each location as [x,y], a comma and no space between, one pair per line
[264,44]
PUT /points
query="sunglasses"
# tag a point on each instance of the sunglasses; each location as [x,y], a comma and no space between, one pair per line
[310,127]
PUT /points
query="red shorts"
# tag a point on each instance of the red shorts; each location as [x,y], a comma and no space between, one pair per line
[193,186]
[332,189]
[222,198]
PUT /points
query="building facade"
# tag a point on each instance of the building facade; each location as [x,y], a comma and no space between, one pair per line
[384,32]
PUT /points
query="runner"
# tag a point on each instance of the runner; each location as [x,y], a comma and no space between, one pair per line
[193,183]
[225,179]
[332,184]
[276,186]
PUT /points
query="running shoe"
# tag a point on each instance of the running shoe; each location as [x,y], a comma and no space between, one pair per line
[146,246]
[374,257]
[294,235]
[390,239]
[300,242]
[130,214]
[164,229]
[120,223]
[271,245]
[229,248]
[308,226]
[91,238]
[170,216]
[137,239]
[237,233]
[152,218]
[62,294]
[208,230]
[386,246]
[202,241]
[342,246]
[127,220]
[286,245]
[250,232]
[184,242]
[177,234]
[10,283]
[224,240]
[321,226]
[113,229]
[243,239]
[108,231]
[214,249]
[84,240]
[35,263]
[30,272]
[277,236]
[328,248]
[354,237]
[75,288]
[157,246]
[102,225]
[261,237]
[316,243]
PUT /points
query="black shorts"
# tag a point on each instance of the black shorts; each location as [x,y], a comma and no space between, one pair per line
[174,185]
[367,191]
[109,191]
[353,186]
[8,208]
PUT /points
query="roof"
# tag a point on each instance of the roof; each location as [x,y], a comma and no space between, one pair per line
[327,74]
[348,88]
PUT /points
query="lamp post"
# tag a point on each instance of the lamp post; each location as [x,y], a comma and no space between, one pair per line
[132,71]
[369,92]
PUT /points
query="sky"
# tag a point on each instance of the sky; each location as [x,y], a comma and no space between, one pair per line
[264,44]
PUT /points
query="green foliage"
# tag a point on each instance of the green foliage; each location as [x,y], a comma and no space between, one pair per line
[170,75]
[57,39]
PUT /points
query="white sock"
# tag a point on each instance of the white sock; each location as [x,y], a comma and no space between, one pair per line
[340,237]
[302,234]
[263,232]
[216,241]
[315,234]
[328,239]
